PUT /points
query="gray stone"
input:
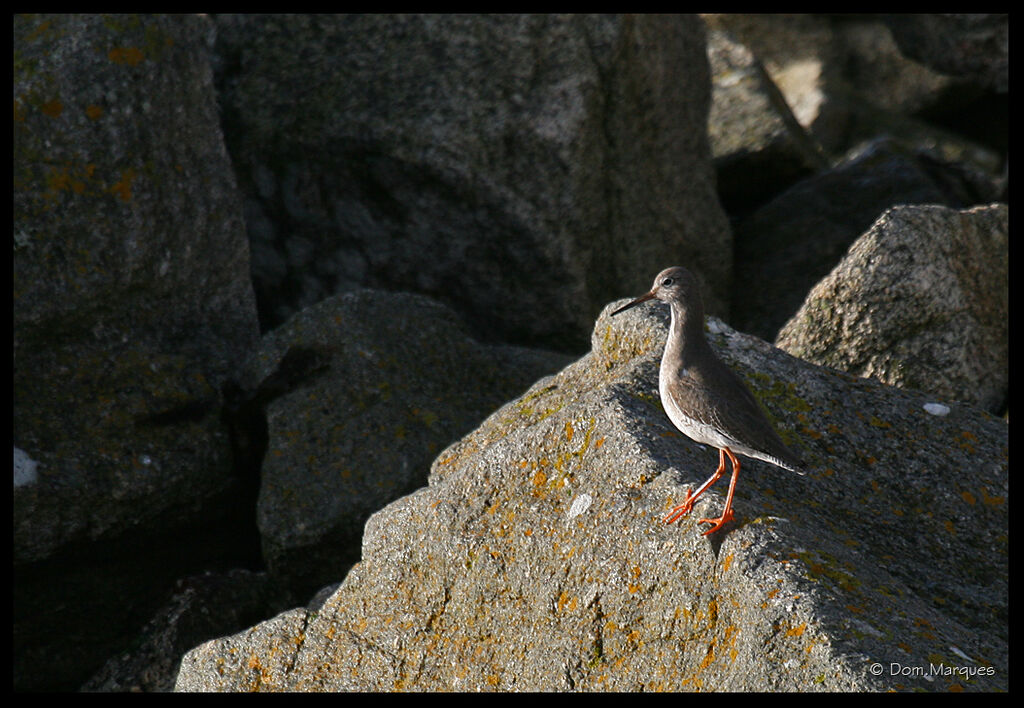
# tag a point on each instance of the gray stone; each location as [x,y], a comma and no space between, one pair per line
[131,292]
[493,162]
[971,45]
[757,143]
[789,244]
[202,607]
[265,672]
[132,303]
[536,559]
[846,81]
[920,301]
[391,379]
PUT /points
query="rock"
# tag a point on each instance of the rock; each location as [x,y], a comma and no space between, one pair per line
[971,45]
[846,81]
[757,143]
[536,558]
[201,608]
[131,294]
[787,245]
[493,162]
[920,301]
[393,379]
[132,302]
[266,672]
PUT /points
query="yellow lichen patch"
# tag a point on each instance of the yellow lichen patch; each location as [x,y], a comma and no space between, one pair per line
[123,187]
[731,632]
[968,497]
[93,112]
[568,430]
[797,631]
[128,56]
[52,109]
[709,657]
[967,440]
[566,602]
[727,563]
[990,500]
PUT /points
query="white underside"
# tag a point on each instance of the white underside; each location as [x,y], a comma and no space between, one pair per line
[702,432]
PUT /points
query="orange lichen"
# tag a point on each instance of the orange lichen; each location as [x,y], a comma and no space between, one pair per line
[130,56]
[52,109]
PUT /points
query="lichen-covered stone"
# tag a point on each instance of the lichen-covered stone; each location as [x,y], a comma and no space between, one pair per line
[536,559]
[921,301]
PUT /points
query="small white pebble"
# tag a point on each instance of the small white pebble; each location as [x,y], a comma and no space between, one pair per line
[716,326]
[959,653]
[936,408]
[24,468]
[580,504]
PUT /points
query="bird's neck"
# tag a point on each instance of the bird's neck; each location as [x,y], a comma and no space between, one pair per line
[685,336]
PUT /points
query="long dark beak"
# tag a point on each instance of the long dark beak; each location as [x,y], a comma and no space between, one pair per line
[642,298]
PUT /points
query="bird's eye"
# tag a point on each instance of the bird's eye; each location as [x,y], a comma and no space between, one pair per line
[666,282]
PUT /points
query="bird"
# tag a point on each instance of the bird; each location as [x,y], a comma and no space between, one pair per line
[704,398]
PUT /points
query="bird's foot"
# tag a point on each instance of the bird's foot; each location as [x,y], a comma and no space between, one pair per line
[682,510]
[718,523]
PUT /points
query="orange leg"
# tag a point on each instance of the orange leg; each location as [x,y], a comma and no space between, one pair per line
[691,497]
[727,512]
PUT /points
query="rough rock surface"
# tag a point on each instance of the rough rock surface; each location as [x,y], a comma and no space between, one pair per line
[201,607]
[974,45]
[756,141]
[846,80]
[493,162]
[381,382]
[920,301]
[131,303]
[536,558]
[796,239]
[131,290]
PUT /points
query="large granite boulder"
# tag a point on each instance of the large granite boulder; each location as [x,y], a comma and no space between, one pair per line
[961,44]
[131,292]
[132,303]
[793,241]
[536,559]
[920,301]
[523,169]
[366,388]
[757,143]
